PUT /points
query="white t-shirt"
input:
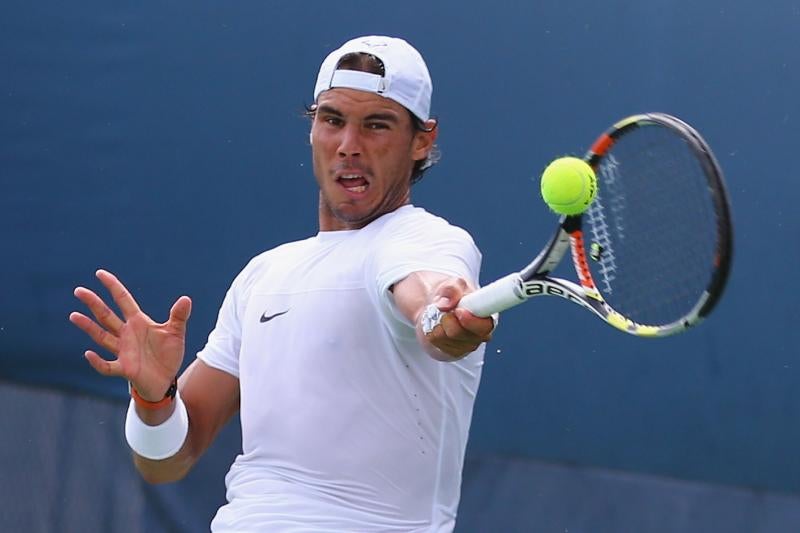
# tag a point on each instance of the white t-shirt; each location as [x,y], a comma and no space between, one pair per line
[347,424]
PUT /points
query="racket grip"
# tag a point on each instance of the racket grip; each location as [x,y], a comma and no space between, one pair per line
[497,296]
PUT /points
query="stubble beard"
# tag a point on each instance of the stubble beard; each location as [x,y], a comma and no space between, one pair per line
[397,196]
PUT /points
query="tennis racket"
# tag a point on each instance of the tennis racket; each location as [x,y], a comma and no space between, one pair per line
[652,252]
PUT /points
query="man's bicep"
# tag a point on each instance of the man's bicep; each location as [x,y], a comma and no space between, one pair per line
[211,397]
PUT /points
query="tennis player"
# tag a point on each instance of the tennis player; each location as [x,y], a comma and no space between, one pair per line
[353,420]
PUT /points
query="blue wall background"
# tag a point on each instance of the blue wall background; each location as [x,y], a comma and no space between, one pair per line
[165,141]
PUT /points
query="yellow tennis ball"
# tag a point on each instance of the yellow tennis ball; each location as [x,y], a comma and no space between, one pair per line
[568,185]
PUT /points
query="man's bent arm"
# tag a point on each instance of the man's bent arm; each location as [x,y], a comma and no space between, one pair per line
[211,397]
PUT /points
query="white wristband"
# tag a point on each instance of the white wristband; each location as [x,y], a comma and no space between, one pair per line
[161,441]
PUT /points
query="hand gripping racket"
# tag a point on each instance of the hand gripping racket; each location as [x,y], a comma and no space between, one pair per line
[652,252]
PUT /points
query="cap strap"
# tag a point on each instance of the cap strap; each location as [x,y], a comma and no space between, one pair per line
[362,81]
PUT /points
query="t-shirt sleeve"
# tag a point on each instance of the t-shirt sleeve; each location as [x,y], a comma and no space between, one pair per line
[435,246]
[225,340]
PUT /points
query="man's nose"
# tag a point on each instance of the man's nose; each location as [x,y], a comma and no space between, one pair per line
[350,144]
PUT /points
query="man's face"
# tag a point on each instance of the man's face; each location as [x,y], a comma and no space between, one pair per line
[364,148]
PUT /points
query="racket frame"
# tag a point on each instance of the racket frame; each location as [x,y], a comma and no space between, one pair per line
[534,280]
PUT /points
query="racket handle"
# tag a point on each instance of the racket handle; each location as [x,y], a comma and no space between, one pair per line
[497,296]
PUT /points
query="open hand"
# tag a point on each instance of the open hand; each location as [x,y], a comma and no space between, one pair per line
[147,354]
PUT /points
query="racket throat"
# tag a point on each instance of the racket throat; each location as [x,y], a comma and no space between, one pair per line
[580,263]
[549,258]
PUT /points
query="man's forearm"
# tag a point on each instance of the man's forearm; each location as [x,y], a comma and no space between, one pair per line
[166,470]
[153,434]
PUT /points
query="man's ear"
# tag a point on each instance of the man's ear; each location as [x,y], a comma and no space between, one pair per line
[424,140]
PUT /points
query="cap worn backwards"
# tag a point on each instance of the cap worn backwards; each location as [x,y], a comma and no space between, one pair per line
[406,79]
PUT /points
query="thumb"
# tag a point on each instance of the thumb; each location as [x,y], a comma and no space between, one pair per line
[180,312]
[447,296]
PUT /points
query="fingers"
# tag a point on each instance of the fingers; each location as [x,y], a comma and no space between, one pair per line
[105,332]
[99,335]
[471,329]
[452,327]
[104,315]
[459,329]
[458,339]
[480,326]
[106,368]
[119,293]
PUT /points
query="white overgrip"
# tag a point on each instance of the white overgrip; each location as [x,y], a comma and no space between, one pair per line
[497,296]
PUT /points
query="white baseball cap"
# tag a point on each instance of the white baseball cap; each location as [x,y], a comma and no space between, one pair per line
[406,80]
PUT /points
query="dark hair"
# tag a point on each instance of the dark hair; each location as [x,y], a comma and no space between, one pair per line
[364,62]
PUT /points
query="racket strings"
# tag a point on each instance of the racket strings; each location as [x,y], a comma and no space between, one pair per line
[651,228]
[603,251]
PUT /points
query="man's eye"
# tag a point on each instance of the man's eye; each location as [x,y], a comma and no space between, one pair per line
[377,126]
[333,121]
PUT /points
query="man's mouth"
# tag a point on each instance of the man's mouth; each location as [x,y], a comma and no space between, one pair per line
[353,183]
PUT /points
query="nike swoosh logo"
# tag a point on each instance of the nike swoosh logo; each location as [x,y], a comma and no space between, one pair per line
[265,318]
